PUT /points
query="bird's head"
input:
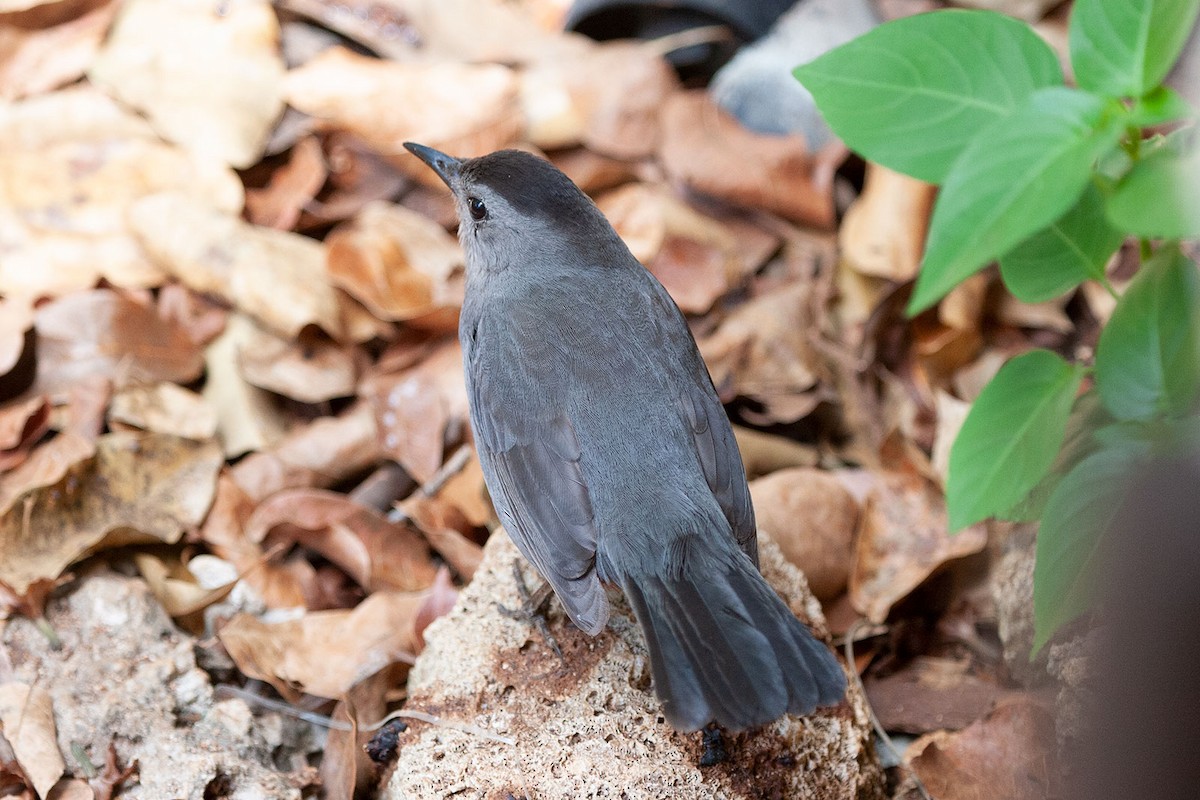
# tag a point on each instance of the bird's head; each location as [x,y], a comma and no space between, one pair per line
[518,210]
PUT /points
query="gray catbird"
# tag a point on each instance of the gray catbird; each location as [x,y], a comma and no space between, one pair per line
[607,453]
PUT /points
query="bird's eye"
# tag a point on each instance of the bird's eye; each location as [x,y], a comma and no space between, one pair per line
[478,209]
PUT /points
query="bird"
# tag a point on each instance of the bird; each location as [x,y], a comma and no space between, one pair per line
[607,453]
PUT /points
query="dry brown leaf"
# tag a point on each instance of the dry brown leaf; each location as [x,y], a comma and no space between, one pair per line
[319,454]
[812,518]
[176,588]
[591,171]
[17,346]
[694,256]
[466,491]
[1004,756]
[324,653]
[399,264]
[163,408]
[1050,315]
[951,413]
[441,598]
[13,780]
[63,227]
[46,466]
[72,789]
[902,540]
[248,418]
[111,775]
[357,176]
[27,719]
[764,453]
[442,525]
[280,584]
[930,694]
[50,45]
[710,152]
[291,188]
[608,97]
[376,553]
[211,82]
[108,334]
[22,424]
[883,232]
[760,351]
[415,408]
[311,369]
[464,109]
[137,487]
[276,277]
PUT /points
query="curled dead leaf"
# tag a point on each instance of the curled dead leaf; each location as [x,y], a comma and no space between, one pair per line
[709,151]
[248,419]
[163,408]
[50,44]
[883,233]
[760,351]
[464,109]
[319,454]
[22,424]
[441,598]
[1002,756]
[216,82]
[399,264]
[311,369]
[608,97]
[376,553]
[137,487]
[694,256]
[275,276]
[178,591]
[291,188]
[324,653]
[415,407]
[902,540]
[442,525]
[27,719]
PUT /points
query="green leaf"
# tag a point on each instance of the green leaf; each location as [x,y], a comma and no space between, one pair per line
[1056,260]
[1010,437]
[1160,106]
[1014,179]
[1073,528]
[1160,197]
[1124,48]
[1148,357]
[911,93]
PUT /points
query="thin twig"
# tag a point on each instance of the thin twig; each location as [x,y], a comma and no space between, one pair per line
[228,690]
[707,34]
[875,723]
[452,467]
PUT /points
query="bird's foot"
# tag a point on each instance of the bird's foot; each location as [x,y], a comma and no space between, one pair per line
[713,744]
[533,609]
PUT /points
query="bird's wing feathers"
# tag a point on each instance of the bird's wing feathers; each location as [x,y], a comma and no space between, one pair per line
[711,431]
[721,461]
[530,453]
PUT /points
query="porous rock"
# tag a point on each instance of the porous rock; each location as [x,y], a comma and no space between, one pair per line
[126,675]
[590,726]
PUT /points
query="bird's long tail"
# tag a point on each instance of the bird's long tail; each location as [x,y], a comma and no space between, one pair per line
[725,648]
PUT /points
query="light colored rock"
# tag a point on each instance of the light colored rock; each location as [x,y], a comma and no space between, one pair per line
[1012,591]
[592,727]
[125,674]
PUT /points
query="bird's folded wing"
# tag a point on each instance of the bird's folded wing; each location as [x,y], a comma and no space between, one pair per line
[530,454]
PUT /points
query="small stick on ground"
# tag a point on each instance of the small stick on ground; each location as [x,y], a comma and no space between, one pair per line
[533,609]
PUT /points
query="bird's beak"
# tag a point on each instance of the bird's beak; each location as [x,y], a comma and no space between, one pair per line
[445,166]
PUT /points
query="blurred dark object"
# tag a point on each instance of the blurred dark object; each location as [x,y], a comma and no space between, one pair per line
[1142,718]
[746,21]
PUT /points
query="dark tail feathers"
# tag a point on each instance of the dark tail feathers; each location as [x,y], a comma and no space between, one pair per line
[724,647]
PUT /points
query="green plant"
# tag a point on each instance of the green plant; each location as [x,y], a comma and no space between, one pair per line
[1048,180]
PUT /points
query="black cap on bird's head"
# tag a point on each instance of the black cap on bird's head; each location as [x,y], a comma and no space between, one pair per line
[510,202]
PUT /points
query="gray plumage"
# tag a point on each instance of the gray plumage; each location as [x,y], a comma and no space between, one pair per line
[606,450]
